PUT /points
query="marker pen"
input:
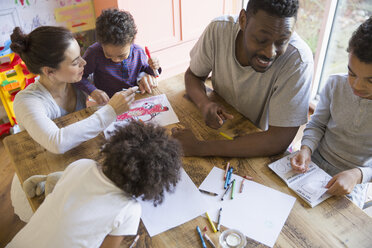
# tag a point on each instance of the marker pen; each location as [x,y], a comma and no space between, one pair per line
[148,55]
[219,220]
[201,237]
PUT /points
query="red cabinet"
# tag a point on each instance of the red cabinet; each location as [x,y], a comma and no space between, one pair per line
[170,28]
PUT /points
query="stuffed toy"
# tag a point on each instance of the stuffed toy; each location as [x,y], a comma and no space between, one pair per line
[38,184]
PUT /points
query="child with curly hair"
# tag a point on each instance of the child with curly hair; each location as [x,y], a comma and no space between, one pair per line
[339,136]
[94,205]
[115,61]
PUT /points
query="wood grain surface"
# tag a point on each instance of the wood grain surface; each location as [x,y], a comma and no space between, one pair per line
[337,222]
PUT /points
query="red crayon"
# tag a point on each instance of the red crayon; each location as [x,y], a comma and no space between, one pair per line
[149,55]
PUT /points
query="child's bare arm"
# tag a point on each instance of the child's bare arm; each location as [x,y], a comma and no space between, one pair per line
[111,241]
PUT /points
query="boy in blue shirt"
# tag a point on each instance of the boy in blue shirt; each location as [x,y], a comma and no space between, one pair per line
[115,61]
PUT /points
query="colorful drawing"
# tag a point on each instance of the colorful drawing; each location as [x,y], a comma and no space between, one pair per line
[144,113]
[22,2]
[155,109]
[78,17]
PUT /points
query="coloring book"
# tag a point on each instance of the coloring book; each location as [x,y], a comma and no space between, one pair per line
[155,109]
[310,186]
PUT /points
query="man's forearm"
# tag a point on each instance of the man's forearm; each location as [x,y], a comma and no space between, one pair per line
[251,145]
[195,88]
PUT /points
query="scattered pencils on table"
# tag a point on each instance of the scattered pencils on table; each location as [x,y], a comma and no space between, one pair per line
[219,219]
[242,185]
[135,241]
[201,237]
[226,136]
[207,192]
[211,222]
[232,189]
[226,170]
[209,240]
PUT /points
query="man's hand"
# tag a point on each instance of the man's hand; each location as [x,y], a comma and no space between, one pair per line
[100,97]
[344,182]
[215,115]
[147,83]
[300,162]
[190,144]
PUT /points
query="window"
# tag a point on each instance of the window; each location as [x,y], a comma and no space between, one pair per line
[346,17]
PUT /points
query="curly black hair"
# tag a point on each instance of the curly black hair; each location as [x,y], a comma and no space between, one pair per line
[143,160]
[115,27]
[360,43]
[279,8]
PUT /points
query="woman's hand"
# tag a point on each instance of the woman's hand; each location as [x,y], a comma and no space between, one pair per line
[122,100]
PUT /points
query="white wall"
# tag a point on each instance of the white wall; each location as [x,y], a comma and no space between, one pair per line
[28,16]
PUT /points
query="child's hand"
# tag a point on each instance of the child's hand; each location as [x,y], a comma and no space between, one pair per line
[100,97]
[154,63]
[122,100]
[344,182]
[215,115]
[147,83]
[300,162]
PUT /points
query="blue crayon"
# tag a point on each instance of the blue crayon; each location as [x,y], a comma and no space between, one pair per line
[201,237]
[228,177]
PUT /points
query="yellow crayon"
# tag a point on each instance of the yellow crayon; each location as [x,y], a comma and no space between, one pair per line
[210,222]
[226,136]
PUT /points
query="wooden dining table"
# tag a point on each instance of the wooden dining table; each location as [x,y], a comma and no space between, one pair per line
[336,222]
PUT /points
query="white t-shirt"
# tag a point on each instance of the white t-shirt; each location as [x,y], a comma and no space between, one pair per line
[277,97]
[84,207]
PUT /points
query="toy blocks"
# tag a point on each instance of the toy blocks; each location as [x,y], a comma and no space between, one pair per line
[14,77]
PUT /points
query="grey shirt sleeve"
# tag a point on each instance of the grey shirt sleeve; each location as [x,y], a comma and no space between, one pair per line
[201,54]
[367,174]
[315,129]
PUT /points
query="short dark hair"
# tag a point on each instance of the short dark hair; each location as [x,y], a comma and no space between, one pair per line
[115,27]
[44,46]
[360,43]
[279,8]
[142,160]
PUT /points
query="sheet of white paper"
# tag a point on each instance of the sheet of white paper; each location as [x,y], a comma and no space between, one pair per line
[259,211]
[155,109]
[184,204]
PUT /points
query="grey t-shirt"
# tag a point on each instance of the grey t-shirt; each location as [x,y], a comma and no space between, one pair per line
[341,127]
[277,97]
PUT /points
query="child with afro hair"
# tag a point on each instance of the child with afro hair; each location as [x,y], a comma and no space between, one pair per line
[94,205]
